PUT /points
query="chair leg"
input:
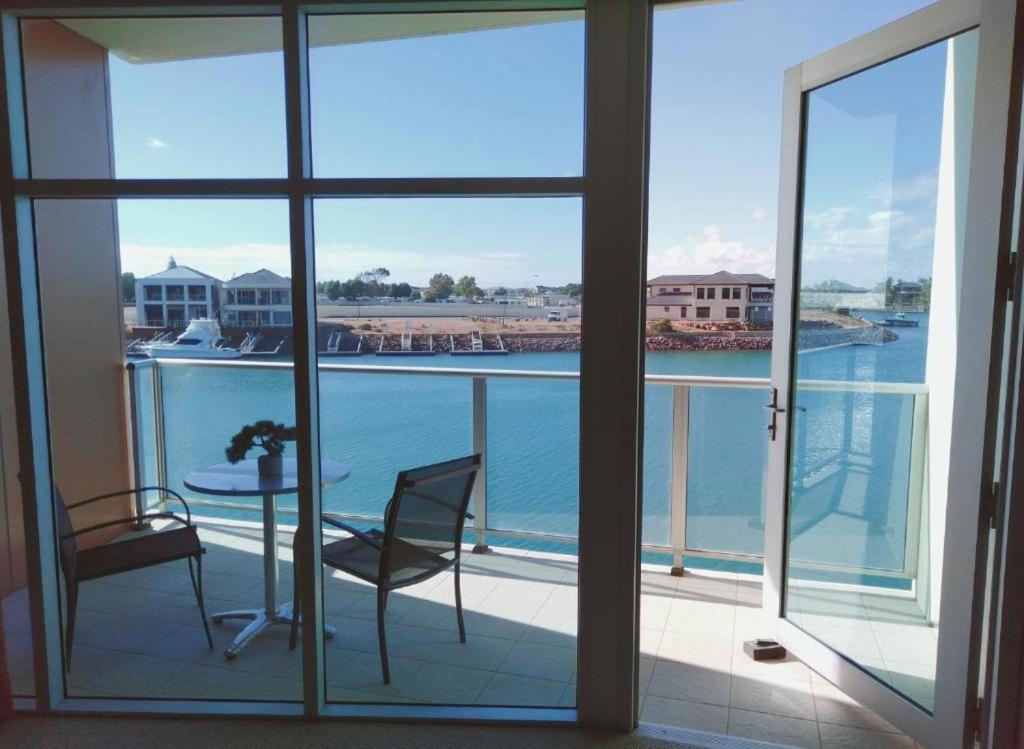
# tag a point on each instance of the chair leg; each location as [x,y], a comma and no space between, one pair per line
[72,593]
[197,586]
[382,602]
[458,605]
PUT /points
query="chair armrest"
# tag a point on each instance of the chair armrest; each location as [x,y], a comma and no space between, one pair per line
[364,537]
[140,490]
[122,521]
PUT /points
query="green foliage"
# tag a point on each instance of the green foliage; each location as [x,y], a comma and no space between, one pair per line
[415,295]
[662,325]
[467,287]
[366,326]
[352,289]
[441,286]
[332,289]
[574,290]
[266,434]
[128,287]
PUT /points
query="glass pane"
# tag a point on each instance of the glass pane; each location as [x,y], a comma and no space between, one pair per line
[133,624]
[879,277]
[713,189]
[15,626]
[154,97]
[447,94]
[442,324]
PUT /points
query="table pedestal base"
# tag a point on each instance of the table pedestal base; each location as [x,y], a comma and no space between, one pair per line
[259,622]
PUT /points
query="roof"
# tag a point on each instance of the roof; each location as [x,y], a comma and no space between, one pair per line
[261,277]
[720,278]
[671,299]
[179,273]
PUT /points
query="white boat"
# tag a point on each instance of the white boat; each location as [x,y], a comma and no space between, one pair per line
[201,340]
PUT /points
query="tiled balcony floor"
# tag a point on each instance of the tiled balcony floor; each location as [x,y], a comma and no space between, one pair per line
[139,635]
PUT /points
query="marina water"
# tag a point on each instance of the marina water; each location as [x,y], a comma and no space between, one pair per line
[380,424]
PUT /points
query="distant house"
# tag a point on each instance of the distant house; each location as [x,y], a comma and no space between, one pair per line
[907,294]
[716,297]
[256,300]
[174,296]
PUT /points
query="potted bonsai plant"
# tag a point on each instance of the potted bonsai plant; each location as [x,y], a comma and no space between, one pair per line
[267,435]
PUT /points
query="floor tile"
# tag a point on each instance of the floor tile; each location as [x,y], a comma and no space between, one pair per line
[689,682]
[847,737]
[775,728]
[446,684]
[540,661]
[779,697]
[512,689]
[694,715]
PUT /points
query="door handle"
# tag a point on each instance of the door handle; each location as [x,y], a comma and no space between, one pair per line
[773,417]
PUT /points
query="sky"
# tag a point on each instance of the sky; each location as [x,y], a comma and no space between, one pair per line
[509,102]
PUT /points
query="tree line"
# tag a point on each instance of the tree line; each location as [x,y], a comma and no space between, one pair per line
[374,283]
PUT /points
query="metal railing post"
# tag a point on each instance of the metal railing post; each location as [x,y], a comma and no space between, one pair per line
[160,441]
[917,483]
[677,500]
[133,414]
[480,447]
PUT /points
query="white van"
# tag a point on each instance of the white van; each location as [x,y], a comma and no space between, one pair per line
[557,315]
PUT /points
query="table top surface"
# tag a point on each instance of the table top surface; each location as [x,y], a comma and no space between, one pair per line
[242,479]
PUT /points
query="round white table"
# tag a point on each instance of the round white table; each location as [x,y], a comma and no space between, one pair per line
[242,479]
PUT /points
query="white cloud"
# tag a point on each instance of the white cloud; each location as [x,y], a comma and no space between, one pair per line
[345,261]
[759,214]
[708,253]
[156,143]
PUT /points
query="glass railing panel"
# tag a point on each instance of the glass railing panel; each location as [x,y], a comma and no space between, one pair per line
[658,431]
[533,458]
[727,455]
[382,424]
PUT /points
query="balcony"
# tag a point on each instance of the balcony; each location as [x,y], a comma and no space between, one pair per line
[520,597]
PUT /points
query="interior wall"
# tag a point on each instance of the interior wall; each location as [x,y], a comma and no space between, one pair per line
[68,105]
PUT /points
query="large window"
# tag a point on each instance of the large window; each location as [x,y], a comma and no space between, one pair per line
[214,392]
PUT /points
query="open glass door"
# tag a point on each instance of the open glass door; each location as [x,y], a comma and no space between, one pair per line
[871,538]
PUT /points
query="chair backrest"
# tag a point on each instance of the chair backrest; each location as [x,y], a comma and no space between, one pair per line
[428,510]
[67,546]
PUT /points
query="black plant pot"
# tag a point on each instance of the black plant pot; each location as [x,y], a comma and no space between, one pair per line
[270,465]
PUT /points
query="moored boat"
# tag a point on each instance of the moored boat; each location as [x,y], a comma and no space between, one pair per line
[200,340]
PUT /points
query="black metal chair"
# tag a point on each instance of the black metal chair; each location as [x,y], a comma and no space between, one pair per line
[144,550]
[422,536]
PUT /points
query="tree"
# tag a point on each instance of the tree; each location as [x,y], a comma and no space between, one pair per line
[353,289]
[401,290]
[333,290]
[441,285]
[500,291]
[374,280]
[171,263]
[415,295]
[925,299]
[890,292]
[575,290]
[128,287]
[467,287]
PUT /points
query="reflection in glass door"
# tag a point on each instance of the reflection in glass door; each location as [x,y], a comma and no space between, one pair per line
[886,158]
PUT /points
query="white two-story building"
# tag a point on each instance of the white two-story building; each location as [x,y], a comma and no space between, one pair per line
[256,300]
[718,297]
[174,296]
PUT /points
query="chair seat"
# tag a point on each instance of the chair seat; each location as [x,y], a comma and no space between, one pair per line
[358,558]
[141,551]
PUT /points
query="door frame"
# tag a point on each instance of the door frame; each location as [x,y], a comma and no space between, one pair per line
[954,718]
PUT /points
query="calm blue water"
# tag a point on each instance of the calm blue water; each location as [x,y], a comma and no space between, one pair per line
[380,424]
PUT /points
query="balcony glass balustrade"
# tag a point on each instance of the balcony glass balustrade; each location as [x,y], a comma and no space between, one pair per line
[705,452]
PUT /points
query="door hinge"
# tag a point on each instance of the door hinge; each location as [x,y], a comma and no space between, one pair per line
[977,720]
[1010,269]
[991,508]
